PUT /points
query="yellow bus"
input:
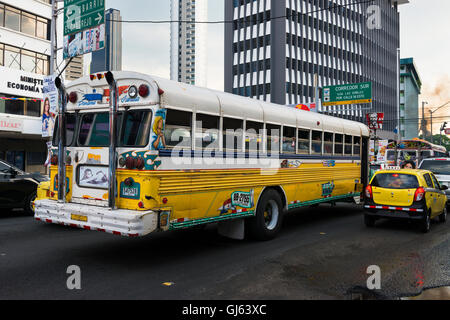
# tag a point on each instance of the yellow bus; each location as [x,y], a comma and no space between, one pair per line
[184,156]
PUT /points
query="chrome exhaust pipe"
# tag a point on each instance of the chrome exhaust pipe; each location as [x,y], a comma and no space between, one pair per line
[113,105]
[62,140]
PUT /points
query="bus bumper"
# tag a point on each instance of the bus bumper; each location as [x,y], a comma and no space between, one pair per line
[120,222]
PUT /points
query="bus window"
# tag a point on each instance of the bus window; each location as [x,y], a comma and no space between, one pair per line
[338,143]
[348,145]
[253,136]
[425,154]
[303,141]
[356,145]
[70,129]
[207,132]
[273,138]
[232,134]
[288,140]
[177,132]
[136,128]
[390,155]
[316,142]
[94,130]
[328,143]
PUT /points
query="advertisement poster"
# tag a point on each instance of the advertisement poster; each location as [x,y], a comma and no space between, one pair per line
[382,146]
[50,107]
[84,42]
[372,151]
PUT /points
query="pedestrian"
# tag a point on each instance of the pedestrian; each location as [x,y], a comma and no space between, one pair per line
[409,164]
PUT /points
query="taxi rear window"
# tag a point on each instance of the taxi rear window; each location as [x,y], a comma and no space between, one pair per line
[395,181]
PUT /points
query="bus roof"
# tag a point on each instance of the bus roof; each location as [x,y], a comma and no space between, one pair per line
[181,95]
[186,97]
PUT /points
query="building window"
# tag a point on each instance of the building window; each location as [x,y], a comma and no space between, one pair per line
[19,107]
[29,61]
[21,21]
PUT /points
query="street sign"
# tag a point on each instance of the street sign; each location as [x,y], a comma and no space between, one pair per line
[354,93]
[80,15]
[447,131]
[375,120]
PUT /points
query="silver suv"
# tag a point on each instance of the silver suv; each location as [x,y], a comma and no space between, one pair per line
[441,169]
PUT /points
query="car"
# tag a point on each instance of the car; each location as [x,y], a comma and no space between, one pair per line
[441,169]
[18,188]
[406,193]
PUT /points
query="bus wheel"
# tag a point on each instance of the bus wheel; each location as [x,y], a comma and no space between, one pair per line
[268,219]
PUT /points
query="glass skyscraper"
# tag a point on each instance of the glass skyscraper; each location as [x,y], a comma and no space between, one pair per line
[274,50]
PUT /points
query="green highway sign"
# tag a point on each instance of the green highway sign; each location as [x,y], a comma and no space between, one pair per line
[347,94]
[83,14]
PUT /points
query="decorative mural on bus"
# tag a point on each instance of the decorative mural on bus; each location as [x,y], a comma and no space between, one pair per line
[157,138]
[150,160]
[327,189]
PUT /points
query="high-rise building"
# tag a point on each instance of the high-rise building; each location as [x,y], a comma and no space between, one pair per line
[109,58]
[188,41]
[74,69]
[24,61]
[275,48]
[410,87]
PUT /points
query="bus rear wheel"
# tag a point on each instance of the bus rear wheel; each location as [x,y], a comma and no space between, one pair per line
[269,216]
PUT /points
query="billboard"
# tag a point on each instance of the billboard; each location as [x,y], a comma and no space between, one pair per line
[87,41]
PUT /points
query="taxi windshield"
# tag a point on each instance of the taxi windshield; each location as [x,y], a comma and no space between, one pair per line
[395,181]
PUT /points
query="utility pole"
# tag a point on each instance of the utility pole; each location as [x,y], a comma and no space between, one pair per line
[398,107]
[424,122]
[444,125]
[431,117]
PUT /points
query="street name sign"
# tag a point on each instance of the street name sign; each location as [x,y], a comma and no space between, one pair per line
[80,15]
[347,94]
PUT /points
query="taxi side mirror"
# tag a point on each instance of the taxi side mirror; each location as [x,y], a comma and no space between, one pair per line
[444,188]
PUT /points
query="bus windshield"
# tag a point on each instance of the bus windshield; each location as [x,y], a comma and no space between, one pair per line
[133,129]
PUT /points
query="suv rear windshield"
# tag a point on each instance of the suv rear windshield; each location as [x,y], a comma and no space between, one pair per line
[395,181]
[436,166]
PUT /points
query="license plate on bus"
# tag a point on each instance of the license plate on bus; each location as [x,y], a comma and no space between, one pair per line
[78,217]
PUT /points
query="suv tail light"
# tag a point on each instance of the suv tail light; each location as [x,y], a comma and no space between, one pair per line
[368,192]
[420,194]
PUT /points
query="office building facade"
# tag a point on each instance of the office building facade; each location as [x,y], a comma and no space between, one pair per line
[188,41]
[410,89]
[274,50]
[109,58]
[24,61]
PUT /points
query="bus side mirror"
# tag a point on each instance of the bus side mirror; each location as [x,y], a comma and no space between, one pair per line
[444,188]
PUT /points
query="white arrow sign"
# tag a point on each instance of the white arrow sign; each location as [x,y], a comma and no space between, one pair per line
[99,18]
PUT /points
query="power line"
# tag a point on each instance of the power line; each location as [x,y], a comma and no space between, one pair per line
[246,21]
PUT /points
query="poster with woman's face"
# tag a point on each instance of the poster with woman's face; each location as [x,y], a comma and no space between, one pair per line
[93,177]
[50,106]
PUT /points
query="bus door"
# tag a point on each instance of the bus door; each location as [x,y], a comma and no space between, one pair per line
[91,159]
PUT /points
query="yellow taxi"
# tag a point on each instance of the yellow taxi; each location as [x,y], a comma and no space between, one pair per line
[405,193]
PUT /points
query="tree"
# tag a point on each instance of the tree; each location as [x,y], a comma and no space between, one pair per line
[445,142]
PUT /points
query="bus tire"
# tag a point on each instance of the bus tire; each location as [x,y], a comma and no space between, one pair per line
[268,219]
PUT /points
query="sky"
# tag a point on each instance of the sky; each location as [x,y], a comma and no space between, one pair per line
[424,33]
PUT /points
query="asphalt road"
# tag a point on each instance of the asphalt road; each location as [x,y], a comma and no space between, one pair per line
[321,253]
